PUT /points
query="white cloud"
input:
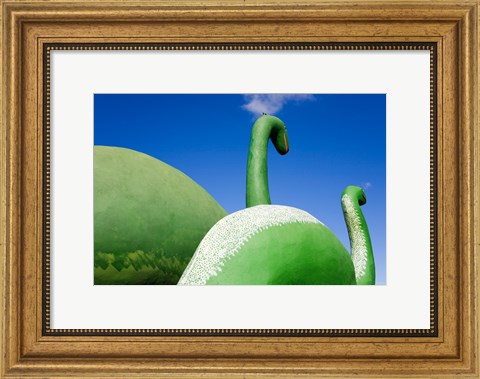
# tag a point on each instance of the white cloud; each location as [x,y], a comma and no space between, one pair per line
[366,185]
[271,103]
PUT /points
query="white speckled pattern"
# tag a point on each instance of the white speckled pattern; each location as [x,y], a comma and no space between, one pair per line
[229,234]
[357,238]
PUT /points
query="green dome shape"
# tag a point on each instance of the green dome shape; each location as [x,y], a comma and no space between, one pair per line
[148,218]
[272,244]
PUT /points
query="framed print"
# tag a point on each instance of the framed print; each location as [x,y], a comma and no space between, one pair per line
[239,190]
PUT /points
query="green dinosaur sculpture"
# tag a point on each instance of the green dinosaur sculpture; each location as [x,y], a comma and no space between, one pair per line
[273,244]
[148,218]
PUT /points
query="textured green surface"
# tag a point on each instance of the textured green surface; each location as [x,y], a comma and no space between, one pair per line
[138,267]
[144,204]
[289,254]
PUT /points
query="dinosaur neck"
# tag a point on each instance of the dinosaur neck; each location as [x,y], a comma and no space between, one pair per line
[265,128]
[360,243]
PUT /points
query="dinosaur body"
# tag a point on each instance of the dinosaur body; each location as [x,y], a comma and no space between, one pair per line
[271,244]
[148,218]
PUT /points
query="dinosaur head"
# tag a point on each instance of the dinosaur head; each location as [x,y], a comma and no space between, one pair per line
[356,193]
[279,134]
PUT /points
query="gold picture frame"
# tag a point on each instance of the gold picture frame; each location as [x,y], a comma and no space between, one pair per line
[31,29]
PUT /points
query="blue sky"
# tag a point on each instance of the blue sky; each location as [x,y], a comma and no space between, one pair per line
[335,141]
